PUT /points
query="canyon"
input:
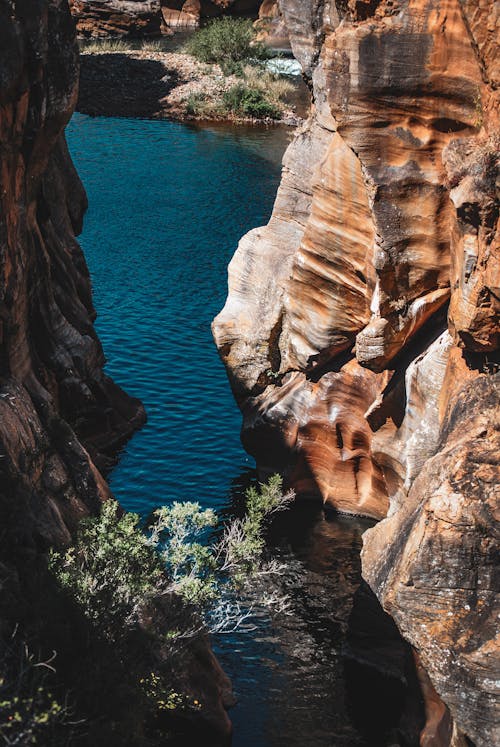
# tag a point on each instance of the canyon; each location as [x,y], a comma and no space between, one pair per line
[360,333]
[361,330]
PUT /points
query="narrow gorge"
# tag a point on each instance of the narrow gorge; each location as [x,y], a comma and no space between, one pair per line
[360,333]
[360,336]
[62,419]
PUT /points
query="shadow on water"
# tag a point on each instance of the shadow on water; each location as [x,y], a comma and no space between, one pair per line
[334,669]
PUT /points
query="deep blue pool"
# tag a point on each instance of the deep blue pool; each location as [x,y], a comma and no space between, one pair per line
[168,204]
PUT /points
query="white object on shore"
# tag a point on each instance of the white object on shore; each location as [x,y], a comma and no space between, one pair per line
[283,66]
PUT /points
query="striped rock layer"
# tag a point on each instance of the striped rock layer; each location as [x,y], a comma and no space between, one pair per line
[361,329]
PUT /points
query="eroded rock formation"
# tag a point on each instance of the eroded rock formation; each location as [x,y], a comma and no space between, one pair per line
[360,332]
[61,418]
[143,18]
[133,18]
[57,405]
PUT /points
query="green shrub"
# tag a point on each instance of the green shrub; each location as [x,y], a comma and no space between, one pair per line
[227,42]
[249,102]
[201,105]
[115,569]
[111,571]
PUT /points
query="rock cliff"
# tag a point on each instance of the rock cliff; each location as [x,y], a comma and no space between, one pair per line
[360,332]
[61,418]
[60,414]
[143,18]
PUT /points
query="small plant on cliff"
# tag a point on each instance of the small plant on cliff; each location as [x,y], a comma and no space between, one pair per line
[29,712]
[115,569]
[110,571]
[227,42]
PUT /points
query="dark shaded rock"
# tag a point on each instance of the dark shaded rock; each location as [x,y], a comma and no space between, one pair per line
[61,418]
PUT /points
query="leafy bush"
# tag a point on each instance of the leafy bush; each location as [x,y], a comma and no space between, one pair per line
[249,102]
[115,569]
[227,42]
[111,571]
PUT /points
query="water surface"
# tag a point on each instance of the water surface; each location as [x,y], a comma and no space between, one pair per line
[168,204]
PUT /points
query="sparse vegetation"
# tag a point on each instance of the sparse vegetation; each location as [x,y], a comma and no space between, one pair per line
[151,45]
[259,94]
[227,42]
[104,46]
[220,74]
[115,569]
[29,712]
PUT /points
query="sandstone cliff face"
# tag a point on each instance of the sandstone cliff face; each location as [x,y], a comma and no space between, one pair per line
[142,18]
[56,404]
[360,331]
[117,17]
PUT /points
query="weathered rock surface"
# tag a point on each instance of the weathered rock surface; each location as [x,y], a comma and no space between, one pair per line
[434,563]
[271,26]
[143,18]
[134,18]
[61,418]
[368,307]
[57,404]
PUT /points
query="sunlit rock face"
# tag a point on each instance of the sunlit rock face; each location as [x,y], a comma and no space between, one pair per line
[434,562]
[56,404]
[361,324]
[143,18]
[135,18]
[386,211]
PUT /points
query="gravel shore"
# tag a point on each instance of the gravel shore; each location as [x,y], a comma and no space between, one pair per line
[154,84]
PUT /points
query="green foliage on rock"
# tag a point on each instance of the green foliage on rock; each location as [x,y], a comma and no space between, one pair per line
[110,571]
[115,568]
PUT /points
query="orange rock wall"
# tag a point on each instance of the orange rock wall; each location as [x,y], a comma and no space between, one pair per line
[149,18]
[368,307]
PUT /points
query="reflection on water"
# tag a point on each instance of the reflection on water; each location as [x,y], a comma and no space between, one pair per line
[334,670]
[168,204]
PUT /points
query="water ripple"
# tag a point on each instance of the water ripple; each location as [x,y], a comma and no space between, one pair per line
[168,205]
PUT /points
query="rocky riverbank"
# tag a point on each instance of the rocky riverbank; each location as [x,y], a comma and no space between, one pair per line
[152,83]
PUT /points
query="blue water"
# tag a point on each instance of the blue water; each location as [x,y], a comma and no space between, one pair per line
[168,204]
